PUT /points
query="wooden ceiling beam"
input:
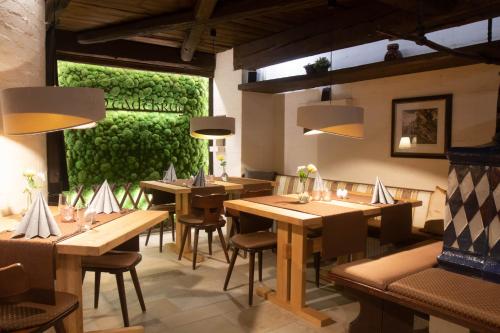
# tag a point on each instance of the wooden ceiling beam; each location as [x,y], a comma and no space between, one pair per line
[331,34]
[124,53]
[409,65]
[203,11]
[185,20]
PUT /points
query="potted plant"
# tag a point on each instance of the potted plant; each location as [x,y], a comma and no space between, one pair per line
[322,65]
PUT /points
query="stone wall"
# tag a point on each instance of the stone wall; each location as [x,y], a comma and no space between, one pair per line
[22,63]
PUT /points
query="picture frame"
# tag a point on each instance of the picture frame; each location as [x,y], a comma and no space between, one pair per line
[421,126]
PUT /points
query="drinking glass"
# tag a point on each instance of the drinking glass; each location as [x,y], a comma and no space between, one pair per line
[85,217]
[62,203]
[316,195]
[67,214]
[327,195]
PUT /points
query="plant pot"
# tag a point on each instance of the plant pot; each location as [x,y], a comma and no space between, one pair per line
[310,69]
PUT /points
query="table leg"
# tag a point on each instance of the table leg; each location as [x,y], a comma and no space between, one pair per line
[291,275]
[69,280]
[182,208]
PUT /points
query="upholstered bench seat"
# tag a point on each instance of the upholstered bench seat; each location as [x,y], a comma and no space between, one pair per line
[460,294]
[379,273]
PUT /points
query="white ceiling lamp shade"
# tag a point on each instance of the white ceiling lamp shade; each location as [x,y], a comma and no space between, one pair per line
[212,128]
[32,110]
[343,120]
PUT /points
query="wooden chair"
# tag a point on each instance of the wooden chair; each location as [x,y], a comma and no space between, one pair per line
[20,306]
[117,263]
[254,237]
[165,202]
[123,258]
[206,214]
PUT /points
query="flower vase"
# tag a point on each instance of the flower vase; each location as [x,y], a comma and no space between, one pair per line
[224,175]
[303,194]
[29,201]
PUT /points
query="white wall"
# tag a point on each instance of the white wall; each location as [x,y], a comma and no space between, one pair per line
[22,63]
[474,90]
[227,101]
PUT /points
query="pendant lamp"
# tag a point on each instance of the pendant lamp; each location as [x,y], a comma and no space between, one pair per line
[341,120]
[212,128]
[32,110]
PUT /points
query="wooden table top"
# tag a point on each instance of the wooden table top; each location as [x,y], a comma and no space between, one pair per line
[299,218]
[176,189]
[105,237]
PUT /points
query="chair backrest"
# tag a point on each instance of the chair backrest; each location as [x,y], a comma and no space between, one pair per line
[14,284]
[344,234]
[210,206]
[161,197]
[38,260]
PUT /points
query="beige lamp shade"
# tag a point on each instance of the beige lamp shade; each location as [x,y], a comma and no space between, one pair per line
[31,110]
[212,128]
[341,120]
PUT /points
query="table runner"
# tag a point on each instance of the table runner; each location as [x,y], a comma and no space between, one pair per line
[314,207]
[364,200]
[184,183]
[69,229]
[344,229]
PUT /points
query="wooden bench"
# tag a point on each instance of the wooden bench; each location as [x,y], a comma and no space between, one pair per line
[393,289]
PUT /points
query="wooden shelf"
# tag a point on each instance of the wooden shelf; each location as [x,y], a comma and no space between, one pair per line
[415,64]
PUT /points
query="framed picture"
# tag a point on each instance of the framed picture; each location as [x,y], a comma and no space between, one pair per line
[421,126]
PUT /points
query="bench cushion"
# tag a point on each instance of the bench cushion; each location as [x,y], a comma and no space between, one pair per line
[379,273]
[464,295]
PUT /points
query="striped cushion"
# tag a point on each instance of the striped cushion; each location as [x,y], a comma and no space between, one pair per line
[290,184]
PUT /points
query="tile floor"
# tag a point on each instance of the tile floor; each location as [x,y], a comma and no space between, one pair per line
[179,299]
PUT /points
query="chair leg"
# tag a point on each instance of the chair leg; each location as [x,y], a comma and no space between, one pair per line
[230,232]
[59,327]
[138,290]
[231,266]
[223,243]
[317,266]
[123,298]
[183,242]
[260,265]
[161,235]
[149,235]
[195,246]
[97,287]
[251,268]
[172,221]
[210,237]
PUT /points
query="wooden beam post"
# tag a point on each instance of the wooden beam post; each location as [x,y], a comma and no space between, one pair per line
[124,53]
[203,11]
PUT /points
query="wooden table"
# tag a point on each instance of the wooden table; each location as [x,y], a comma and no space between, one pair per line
[292,253]
[182,208]
[96,242]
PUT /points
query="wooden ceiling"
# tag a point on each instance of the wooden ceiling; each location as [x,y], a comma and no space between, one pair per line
[262,32]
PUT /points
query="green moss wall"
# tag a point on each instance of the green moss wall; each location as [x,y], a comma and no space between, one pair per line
[129,146]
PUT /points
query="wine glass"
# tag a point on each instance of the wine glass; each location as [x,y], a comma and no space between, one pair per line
[85,217]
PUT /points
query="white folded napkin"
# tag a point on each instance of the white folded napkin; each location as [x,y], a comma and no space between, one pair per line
[104,201]
[170,175]
[199,180]
[38,221]
[381,194]
[318,183]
